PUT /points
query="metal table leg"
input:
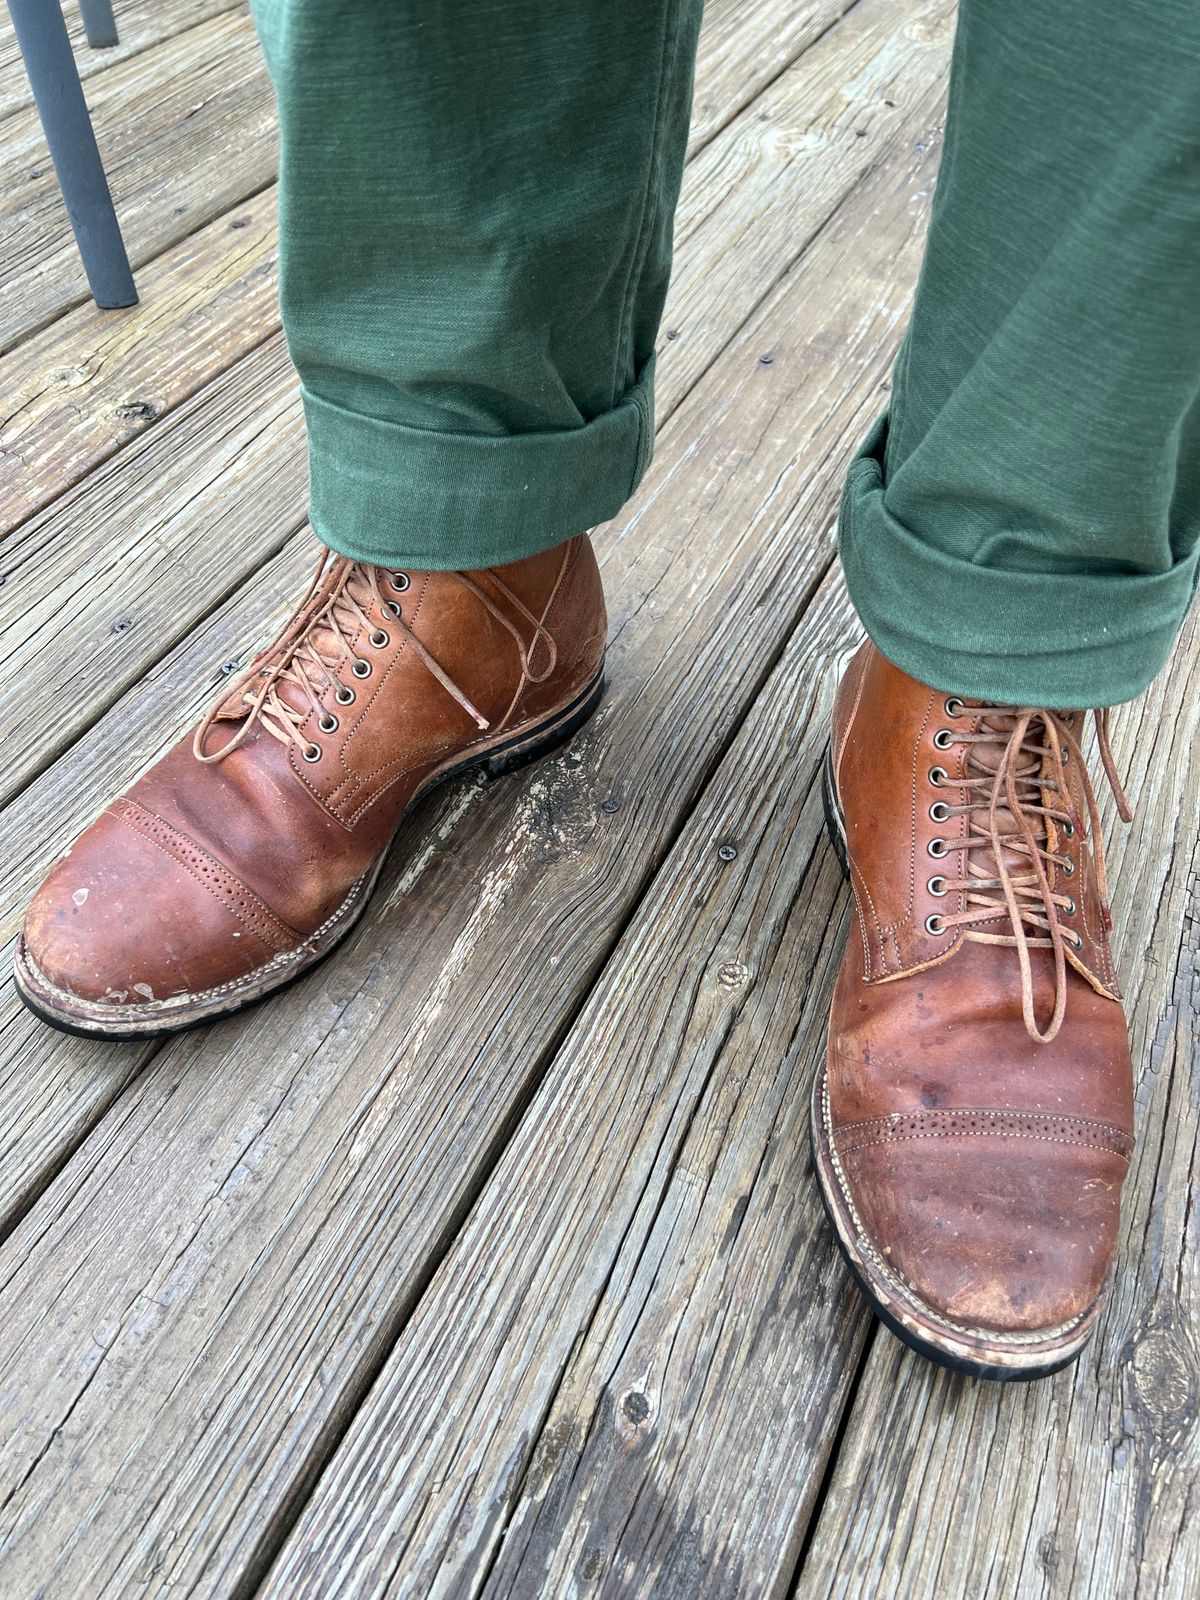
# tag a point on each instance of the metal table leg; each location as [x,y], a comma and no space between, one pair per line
[54,78]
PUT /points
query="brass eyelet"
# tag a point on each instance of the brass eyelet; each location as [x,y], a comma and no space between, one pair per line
[937,886]
[954,706]
[934,925]
[380,637]
[937,776]
[939,811]
[943,739]
[312,752]
[937,848]
[327,722]
[361,668]
[344,695]
[399,581]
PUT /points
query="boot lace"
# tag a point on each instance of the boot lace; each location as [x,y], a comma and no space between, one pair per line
[1015,795]
[315,647]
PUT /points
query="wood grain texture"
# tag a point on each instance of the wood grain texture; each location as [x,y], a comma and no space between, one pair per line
[249,1227]
[123,565]
[93,380]
[140,24]
[743,48]
[1086,1485]
[178,478]
[186,130]
[793,156]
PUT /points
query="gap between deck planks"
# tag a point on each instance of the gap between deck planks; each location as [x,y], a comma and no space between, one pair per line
[250,1227]
[142,523]
[93,380]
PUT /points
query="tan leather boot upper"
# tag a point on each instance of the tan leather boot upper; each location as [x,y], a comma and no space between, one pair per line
[975,1120]
[244,854]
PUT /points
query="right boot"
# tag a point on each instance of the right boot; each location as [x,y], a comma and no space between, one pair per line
[249,851]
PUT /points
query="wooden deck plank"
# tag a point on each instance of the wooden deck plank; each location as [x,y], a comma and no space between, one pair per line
[92,380]
[1087,1481]
[743,48]
[187,130]
[120,568]
[113,522]
[140,24]
[281,1186]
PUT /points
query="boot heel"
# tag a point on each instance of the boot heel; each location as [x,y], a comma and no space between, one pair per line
[834,825]
[541,741]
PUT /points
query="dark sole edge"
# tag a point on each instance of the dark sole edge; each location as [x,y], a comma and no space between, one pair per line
[969,1369]
[520,751]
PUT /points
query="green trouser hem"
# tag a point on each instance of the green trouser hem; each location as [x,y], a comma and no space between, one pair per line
[505,496]
[1068,640]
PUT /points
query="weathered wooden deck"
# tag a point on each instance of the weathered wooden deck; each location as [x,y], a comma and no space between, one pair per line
[487,1260]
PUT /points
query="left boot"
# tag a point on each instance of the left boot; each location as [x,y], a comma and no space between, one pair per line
[248,852]
[973,1123]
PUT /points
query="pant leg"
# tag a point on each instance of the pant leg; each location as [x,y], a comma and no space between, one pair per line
[476,200]
[1024,524]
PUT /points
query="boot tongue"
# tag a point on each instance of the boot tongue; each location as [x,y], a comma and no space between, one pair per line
[995,728]
[319,640]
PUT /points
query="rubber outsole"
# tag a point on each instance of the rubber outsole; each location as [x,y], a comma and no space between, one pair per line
[528,746]
[836,829]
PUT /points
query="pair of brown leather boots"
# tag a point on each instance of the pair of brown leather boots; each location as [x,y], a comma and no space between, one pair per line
[973,1121]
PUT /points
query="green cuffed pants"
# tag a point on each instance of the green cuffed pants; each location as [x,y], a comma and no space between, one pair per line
[476,203]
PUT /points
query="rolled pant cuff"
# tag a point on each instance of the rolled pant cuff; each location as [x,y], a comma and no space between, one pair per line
[411,497]
[1020,638]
